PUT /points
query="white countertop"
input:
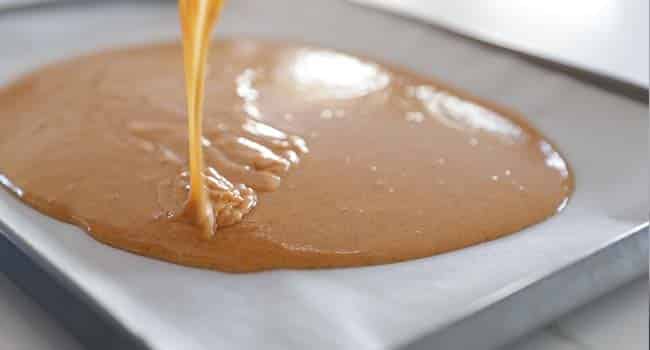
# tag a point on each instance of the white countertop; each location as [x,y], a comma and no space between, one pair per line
[605,36]
[618,320]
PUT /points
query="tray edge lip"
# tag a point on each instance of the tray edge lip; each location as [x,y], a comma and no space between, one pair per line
[503,295]
[523,284]
[481,304]
[64,281]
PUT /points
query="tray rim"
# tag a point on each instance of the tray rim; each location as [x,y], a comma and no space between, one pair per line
[94,306]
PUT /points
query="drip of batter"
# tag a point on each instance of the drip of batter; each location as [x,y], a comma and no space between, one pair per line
[197,20]
[399,166]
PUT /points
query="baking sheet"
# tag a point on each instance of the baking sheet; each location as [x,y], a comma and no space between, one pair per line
[604,137]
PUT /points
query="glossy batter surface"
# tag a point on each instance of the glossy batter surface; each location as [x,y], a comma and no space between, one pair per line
[349,162]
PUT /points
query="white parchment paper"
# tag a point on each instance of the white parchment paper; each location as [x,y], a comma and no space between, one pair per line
[604,137]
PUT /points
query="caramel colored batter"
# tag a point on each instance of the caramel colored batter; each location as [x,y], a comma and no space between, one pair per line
[197,19]
[350,162]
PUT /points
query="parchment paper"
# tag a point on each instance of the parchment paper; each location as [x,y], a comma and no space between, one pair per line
[604,137]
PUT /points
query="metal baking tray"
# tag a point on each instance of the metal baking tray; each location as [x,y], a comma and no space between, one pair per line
[476,298]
